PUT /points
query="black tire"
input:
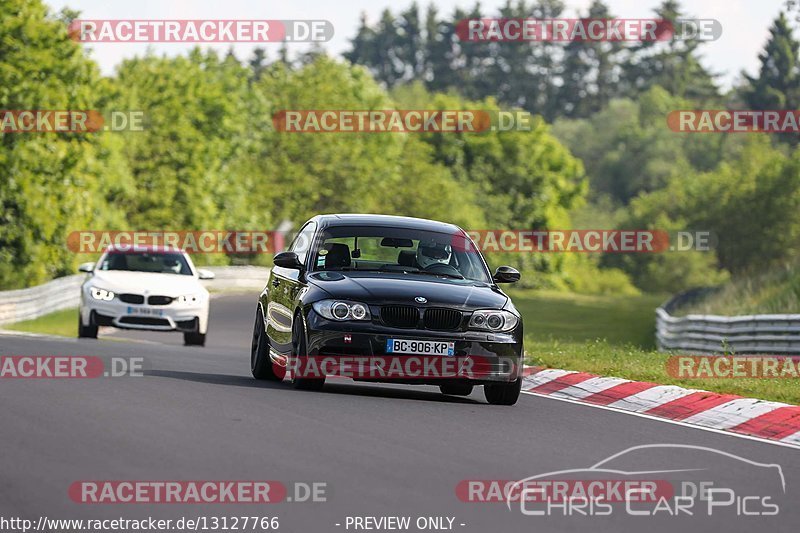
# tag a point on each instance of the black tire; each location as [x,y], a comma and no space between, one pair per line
[299,349]
[503,393]
[261,366]
[190,338]
[456,389]
[86,332]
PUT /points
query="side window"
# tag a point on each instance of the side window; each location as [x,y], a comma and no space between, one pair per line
[302,243]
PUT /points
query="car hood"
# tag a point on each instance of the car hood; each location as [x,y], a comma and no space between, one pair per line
[380,288]
[121,281]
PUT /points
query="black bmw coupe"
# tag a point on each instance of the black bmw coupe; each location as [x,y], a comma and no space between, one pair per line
[388,299]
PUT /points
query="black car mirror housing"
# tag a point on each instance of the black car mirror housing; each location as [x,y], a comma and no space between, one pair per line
[506,274]
[287,260]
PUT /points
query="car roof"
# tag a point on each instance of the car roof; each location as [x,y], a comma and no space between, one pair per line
[353,219]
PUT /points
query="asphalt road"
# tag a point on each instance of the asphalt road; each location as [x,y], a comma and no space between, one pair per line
[197,414]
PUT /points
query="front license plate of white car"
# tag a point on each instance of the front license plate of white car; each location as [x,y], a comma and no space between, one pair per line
[419,347]
[144,311]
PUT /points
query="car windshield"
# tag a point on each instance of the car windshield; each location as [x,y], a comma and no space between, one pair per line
[160,262]
[406,251]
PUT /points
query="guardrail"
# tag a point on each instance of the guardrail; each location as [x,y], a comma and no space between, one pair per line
[64,293]
[748,334]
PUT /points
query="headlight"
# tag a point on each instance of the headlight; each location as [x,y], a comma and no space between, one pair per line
[493,320]
[101,294]
[188,299]
[342,310]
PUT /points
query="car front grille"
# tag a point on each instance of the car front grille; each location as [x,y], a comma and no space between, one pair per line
[144,321]
[132,298]
[442,319]
[400,316]
[159,300]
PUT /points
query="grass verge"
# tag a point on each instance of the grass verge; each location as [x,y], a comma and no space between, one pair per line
[64,323]
[775,291]
[621,320]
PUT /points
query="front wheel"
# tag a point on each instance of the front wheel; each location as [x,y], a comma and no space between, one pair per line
[503,393]
[86,332]
[261,366]
[191,338]
[299,354]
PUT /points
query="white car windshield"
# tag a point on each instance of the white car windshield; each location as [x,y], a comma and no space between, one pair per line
[159,262]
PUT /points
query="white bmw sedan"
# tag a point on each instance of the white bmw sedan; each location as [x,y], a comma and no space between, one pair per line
[151,288]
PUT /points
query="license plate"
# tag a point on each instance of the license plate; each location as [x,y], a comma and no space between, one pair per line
[144,311]
[418,347]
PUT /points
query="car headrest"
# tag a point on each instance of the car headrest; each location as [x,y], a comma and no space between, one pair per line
[118,262]
[338,255]
[407,258]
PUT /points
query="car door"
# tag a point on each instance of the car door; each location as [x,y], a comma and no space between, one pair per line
[283,288]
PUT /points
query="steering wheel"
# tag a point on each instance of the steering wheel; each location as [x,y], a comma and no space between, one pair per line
[442,269]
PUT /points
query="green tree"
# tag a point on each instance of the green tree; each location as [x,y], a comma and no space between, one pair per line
[674,65]
[257,62]
[50,183]
[591,72]
[778,83]
[749,203]
[628,150]
[195,108]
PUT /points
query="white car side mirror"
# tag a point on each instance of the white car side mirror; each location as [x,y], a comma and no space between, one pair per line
[205,274]
[86,267]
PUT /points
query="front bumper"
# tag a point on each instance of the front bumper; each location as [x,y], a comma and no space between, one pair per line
[172,317]
[482,357]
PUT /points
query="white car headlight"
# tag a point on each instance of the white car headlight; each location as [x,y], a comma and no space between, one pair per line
[493,320]
[342,310]
[189,299]
[101,294]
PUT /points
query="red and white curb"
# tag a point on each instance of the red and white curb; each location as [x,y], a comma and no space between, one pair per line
[773,421]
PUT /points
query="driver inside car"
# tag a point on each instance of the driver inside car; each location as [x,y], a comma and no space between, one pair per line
[433,253]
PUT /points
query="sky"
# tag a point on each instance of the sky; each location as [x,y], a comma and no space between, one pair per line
[745,23]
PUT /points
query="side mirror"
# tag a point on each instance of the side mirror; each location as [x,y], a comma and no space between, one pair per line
[205,274]
[86,267]
[287,260]
[506,274]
